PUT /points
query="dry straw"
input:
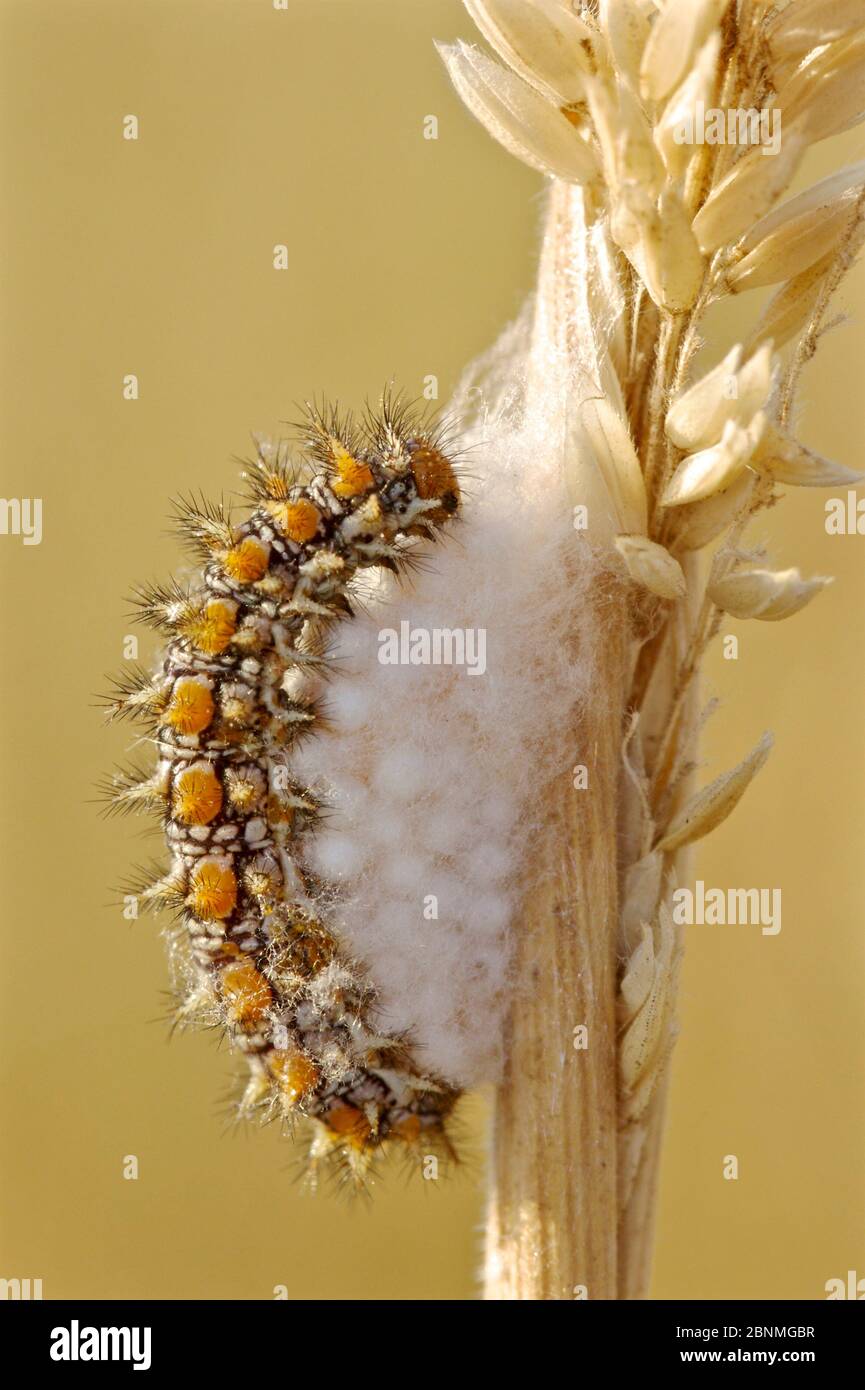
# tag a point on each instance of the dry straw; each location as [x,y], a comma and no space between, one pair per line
[600,97]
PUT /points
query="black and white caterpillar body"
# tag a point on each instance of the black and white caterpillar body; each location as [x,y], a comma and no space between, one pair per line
[231,699]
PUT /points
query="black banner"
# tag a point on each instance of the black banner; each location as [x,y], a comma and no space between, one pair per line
[65,1338]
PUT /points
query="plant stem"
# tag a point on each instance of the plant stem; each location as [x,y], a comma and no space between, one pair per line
[552,1230]
[573,1182]
[553,1210]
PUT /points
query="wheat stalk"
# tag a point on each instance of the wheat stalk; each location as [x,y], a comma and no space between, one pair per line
[645,230]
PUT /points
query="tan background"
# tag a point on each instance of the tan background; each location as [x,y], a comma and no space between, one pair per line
[406,256]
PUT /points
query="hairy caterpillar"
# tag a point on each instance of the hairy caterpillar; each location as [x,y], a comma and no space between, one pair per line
[232,697]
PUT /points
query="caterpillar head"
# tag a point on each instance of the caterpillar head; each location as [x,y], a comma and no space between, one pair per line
[395,452]
[417,459]
[434,478]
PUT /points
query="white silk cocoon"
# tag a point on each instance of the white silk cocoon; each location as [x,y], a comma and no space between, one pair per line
[437,777]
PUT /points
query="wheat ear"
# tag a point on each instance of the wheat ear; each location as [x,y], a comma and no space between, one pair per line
[645,230]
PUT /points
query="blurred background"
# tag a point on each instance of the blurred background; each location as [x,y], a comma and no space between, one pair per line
[405,256]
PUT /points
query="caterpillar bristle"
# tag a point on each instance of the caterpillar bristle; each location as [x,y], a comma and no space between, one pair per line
[161,606]
[407,562]
[132,789]
[249,645]
[273,474]
[203,526]
[330,438]
[392,421]
[154,889]
[135,694]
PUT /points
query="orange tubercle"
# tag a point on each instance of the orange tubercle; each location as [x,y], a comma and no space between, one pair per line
[295,1074]
[213,627]
[196,796]
[213,890]
[296,520]
[247,561]
[278,812]
[348,1122]
[246,993]
[190,708]
[353,475]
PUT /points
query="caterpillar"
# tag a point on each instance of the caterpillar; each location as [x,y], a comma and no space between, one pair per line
[235,692]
